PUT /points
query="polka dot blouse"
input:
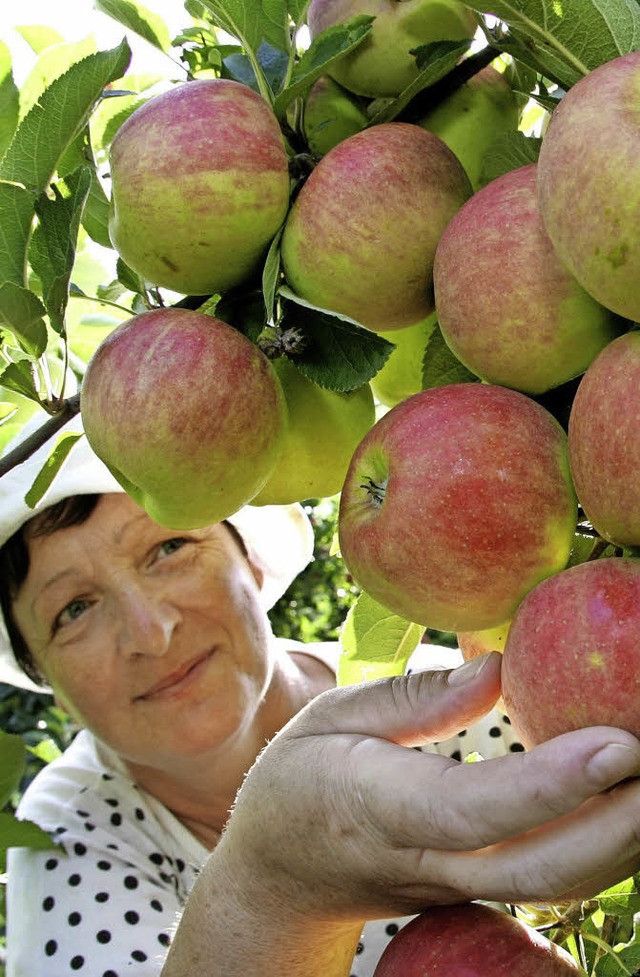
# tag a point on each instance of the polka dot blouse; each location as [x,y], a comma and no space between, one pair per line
[106,901]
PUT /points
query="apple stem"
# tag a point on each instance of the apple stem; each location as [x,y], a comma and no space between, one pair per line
[375,490]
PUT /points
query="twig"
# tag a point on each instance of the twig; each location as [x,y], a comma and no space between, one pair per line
[70,407]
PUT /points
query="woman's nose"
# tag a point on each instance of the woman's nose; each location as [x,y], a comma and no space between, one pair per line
[147,623]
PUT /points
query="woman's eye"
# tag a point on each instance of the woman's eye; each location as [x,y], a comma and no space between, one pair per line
[170,546]
[71,612]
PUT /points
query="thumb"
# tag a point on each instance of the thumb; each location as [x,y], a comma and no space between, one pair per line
[409,709]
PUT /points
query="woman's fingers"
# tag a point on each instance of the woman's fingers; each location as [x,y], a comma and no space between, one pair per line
[419,708]
[571,857]
[406,828]
[458,806]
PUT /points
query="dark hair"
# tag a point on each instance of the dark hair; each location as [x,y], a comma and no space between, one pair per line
[14,566]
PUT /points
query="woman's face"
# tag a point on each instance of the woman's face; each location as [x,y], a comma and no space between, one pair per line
[154,639]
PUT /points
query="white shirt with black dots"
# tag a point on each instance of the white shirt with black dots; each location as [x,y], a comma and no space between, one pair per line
[105,903]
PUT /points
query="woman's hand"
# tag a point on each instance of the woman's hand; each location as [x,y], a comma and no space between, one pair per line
[361,824]
[340,821]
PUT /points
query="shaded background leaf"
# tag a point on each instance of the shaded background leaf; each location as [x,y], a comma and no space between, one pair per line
[339,353]
[547,29]
[22,312]
[139,19]
[440,366]
[53,246]
[9,99]
[16,217]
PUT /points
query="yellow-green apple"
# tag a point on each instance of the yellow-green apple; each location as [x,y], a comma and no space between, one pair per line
[186,412]
[331,114]
[603,441]
[473,116]
[200,186]
[572,657]
[472,644]
[382,65]
[472,940]
[323,431]
[361,235]
[588,178]
[507,306]
[456,503]
[401,374]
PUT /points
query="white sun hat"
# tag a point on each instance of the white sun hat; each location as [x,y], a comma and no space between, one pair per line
[279,538]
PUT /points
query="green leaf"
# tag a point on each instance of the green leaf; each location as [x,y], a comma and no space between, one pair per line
[271,275]
[7,410]
[614,963]
[508,152]
[23,834]
[12,764]
[376,643]
[568,38]
[621,899]
[322,52]
[272,61]
[9,100]
[138,19]
[435,61]
[21,378]
[252,23]
[16,217]
[297,10]
[51,467]
[52,63]
[339,354]
[46,750]
[22,312]
[53,246]
[440,366]
[40,36]
[51,125]
[129,278]
[95,217]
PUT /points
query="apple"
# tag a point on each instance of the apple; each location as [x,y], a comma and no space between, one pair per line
[603,441]
[330,115]
[382,64]
[200,186]
[588,177]
[361,235]
[401,375]
[508,308]
[186,412]
[472,940]
[572,657]
[324,429]
[472,644]
[456,503]
[475,643]
[473,116]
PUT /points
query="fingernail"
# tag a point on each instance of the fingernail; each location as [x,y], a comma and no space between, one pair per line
[468,671]
[613,762]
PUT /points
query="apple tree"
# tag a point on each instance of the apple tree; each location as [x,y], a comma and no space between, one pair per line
[414,228]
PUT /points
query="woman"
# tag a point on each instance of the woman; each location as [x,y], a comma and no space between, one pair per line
[157,644]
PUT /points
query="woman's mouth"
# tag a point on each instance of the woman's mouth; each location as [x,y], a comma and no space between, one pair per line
[179,681]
